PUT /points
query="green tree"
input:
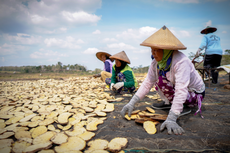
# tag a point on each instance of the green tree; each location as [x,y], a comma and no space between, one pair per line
[227,51]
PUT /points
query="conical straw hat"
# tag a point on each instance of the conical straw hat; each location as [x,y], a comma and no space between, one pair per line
[121,56]
[208,30]
[163,39]
[99,55]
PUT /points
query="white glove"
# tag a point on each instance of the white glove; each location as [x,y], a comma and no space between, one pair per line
[118,85]
[111,86]
[130,106]
[171,125]
[198,52]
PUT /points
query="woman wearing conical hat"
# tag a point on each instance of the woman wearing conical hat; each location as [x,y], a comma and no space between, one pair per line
[123,78]
[213,51]
[175,79]
[108,63]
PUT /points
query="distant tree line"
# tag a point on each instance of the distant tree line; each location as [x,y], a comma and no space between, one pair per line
[46,68]
[140,69]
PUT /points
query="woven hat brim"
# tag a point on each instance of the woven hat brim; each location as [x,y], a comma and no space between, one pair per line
[112,57]
[99,54]
[208,30]
[164,39]
[164,46]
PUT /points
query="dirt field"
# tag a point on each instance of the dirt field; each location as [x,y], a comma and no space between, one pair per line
[210,134]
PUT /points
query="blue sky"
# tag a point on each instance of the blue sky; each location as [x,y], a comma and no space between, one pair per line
[43,32]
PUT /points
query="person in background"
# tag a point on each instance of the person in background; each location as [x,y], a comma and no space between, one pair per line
[108,63]
[213,51]
[123,78]
[175,78]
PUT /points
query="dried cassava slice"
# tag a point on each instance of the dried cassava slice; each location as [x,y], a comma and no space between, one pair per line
[5,150]
[63,118]
[27,118]
[135,112]
[33,124]
[150,110]
[159,117]
[2,131]
[45,137]
[134,116]
[47,121]
[52,115]
[98,144]
[22,134]
[51,127]
[88,109]
[92,126]
[6,135]
[127,117]
[38,147]
[19,147]
[73,144]
[77,131]
[149,127]
[108,108]
[87,135]
[2,125]
[142,120]
[14,119]
[38,131]
[2,116]
[117,144]
[59,138]
[99,113]
[6,143]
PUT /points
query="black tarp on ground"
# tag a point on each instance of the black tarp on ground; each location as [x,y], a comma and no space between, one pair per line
[208,134]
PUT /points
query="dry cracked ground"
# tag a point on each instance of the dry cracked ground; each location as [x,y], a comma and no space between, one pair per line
[80,115]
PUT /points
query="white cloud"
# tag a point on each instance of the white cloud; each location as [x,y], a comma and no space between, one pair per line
[109,40]
[8,49]
[36,19]
[96,32]
[184,1]
[209,23]
[91,51]
[140,33]
[147,30]
[80,17]
[224,31]
[23,38]
[69,42]
[184,33]
[180,33]
[41,54]
[121,46]
[63,29]
[46,14]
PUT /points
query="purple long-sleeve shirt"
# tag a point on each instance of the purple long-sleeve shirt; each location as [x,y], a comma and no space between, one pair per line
[108,66]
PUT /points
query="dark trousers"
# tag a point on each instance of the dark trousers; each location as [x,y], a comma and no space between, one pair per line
[213,61]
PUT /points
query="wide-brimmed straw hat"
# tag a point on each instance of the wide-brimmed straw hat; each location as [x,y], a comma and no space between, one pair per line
[208,30]
[163,39]
[121,56]
[99,55]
